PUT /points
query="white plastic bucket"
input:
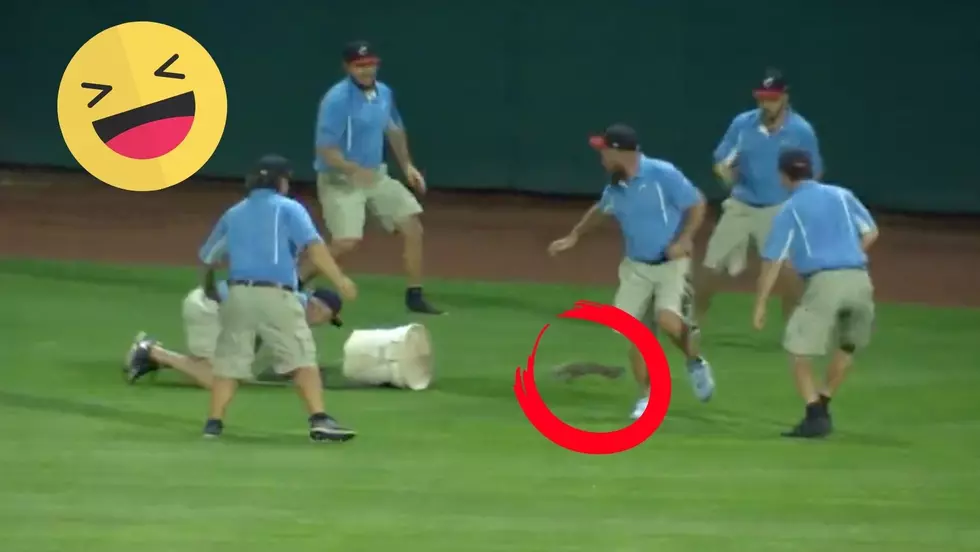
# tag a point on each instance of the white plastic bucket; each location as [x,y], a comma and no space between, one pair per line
[397,356]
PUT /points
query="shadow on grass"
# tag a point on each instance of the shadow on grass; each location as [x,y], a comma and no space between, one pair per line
[452,300]
[138,419]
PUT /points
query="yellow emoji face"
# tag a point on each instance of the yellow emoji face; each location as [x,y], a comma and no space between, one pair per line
[142,106]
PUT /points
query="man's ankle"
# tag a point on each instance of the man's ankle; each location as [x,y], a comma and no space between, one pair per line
[318,417]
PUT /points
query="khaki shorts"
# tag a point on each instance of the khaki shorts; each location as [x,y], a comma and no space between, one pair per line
[739,225]
[837,309]
[344,204]
[202,326]
[273,314]
[644,290]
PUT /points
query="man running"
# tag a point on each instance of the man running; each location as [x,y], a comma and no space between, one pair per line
[745,161]
[659,212]
[825,231]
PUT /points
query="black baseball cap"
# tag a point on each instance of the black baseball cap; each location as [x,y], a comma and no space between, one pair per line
[796,164]
[360,52]
[268,170]
[330,298]
[773,85]
[618,137]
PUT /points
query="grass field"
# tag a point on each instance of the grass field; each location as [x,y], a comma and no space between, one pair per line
[89,463]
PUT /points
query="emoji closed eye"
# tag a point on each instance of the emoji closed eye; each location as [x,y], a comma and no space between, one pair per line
[162,71]
[102,88]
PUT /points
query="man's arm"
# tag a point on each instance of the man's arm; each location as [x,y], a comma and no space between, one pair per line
[331,128]
[775,251]
[865,223]
[686,197]
[726,153]
[211,255]
[592,218]
[398,138]
[810,143]
[303,234]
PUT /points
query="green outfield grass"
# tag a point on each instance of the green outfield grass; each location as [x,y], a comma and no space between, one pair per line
[90,464]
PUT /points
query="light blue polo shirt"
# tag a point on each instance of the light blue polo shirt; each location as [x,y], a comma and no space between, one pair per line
[261,236]
[819,228]
[756,152]
[650,208]
[354,121]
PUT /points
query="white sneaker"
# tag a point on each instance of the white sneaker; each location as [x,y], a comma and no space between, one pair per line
[702,381]
[640,408]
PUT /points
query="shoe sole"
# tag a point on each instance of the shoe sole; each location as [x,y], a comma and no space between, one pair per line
[322,436]
[128,359]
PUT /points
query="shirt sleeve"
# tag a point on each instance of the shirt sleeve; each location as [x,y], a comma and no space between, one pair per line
[302,231]
[727,149]
[215,247]
[809,142]
[331,121]
[859,214]
[679,191]
[781,235]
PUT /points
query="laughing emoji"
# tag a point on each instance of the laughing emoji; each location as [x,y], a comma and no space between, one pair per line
[142,106]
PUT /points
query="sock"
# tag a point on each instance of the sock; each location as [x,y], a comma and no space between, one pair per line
[319,417]
[414,292]
[824,399]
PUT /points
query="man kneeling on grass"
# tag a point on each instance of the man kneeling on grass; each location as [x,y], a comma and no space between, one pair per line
[202,326]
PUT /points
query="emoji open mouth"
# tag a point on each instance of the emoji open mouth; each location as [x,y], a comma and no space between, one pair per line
[149,131]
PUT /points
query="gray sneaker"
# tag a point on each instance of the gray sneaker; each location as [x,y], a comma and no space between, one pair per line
[702,381]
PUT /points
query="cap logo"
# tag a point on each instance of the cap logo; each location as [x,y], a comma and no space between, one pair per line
[362,51]
[768,82]
[263,172]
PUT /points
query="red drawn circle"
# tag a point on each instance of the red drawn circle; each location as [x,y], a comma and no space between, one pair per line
[598,442]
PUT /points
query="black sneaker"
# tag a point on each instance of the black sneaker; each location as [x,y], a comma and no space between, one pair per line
[415,302]
[325,428]
[815,424]
[138,362]
[213,428]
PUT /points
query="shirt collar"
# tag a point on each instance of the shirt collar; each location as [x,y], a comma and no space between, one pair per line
[806,185]
[762,127]
[262,192]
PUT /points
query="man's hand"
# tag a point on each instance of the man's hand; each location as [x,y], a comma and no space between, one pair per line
[727,173]
[759,315]
[362,177]
[415,179]
[347,288]
[563,244]
[681,248]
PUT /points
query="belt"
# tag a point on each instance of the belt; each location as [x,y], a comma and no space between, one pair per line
[834,269]
[758,205]
[262,284]
[653,262]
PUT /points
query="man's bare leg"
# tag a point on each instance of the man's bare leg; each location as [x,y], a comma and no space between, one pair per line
[309,387]
[222,392]
[816,420]
[197,369]
[412,254]
[708,281]
[678,331]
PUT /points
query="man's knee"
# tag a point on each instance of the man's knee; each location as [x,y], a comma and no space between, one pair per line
[410,227]
[344,245]
[671,322]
